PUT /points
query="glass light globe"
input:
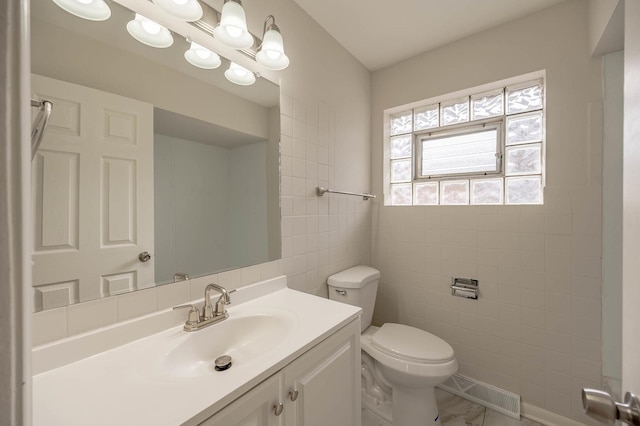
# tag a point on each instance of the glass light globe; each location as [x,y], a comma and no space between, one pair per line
[239,75]
[232,29]
[92,10]
[149,32]
[201,57]
[187,10]
[271,54]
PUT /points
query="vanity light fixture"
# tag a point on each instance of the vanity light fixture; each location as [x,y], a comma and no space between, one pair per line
[188,10]
[201,57]
[232,29]
[271,53]
[93,10]
[149,32]
[239,75]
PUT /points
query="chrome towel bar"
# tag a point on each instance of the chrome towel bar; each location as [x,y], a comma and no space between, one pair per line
[40,123]
[321,190]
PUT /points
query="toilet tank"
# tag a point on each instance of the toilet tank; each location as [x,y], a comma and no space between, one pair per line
[356,286]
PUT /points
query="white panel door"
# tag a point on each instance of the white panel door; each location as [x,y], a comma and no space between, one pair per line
[92,195]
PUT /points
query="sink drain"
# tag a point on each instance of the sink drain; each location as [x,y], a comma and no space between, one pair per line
[223,363]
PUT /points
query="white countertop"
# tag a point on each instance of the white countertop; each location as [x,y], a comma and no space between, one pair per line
[133,384]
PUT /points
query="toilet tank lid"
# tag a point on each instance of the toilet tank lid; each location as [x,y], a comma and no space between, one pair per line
[355,277]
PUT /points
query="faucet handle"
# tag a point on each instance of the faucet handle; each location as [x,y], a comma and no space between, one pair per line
[220,309]
[194,314]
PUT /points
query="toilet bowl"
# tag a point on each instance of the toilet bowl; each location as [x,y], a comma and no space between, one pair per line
[409,360]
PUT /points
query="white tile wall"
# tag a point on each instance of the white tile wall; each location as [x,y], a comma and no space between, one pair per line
[536,329]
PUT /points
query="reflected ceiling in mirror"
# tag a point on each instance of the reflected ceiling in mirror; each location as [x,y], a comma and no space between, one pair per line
[144,153]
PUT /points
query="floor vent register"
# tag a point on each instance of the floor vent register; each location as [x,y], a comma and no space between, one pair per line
[497,399]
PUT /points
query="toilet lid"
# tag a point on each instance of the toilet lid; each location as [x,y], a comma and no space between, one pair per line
[411,343]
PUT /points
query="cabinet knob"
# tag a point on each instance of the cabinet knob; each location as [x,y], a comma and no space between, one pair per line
[293,394]
[277,409]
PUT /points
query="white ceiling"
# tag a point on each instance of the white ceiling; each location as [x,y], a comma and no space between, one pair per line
[382,32]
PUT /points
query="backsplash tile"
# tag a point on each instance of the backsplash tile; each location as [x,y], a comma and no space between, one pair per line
[91,315]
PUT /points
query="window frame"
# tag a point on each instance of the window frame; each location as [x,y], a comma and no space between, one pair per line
[466,128]
[500,118]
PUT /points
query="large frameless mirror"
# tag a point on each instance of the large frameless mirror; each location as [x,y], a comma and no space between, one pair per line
[151,169]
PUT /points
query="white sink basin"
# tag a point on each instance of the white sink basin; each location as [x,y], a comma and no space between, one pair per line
[244,336]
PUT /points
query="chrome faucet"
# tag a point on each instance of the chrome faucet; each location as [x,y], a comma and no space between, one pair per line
[208,311]
[210,314]
[180,276]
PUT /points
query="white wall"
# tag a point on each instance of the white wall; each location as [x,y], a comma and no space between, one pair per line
[631,206]
[210,207]
[613,74]
[536,329]
[606,26]
[325,141]
[192,192]
[247,205]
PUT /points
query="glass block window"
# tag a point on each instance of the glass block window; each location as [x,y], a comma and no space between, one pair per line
[487,105]
[401,195]
[487,191]
[486,148]
[454,192]
[454,112]
[401,146]
[426,118]
[401,123]
[425,193]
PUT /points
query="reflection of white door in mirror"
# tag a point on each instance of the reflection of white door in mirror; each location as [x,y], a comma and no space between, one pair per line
[92,196]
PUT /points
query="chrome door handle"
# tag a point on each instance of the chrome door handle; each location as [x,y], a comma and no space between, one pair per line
[144,256]
[601,406]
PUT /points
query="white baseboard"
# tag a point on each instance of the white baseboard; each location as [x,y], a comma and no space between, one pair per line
[546,417]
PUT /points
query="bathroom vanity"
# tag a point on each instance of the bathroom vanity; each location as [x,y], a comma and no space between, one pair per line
[295,361]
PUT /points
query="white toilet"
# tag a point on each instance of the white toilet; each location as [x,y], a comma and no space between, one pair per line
[409,361]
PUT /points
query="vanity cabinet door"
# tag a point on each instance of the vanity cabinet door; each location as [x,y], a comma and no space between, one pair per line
[322,387]
[255,408]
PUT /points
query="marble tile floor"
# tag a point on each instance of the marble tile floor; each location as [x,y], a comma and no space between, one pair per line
[456,411]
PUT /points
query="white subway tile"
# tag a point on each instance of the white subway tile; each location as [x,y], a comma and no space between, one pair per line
[558,342]
[299,129]
[533,336]
[587,327]
[91,315]
[558,322]
[532,393]
[558,244]
[586,348]
[173,294]
[48,325]
[137,303]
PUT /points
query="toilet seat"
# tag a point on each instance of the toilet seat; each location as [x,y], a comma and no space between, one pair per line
[413,367]
[411,344]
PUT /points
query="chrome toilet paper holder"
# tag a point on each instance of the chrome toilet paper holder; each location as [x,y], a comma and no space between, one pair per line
[464,287]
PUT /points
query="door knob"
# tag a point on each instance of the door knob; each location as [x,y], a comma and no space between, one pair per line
[601,406]
[144,256]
